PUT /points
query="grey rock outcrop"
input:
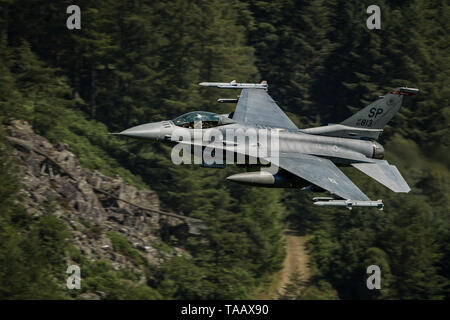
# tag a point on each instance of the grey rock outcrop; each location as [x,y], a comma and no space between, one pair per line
[90,202]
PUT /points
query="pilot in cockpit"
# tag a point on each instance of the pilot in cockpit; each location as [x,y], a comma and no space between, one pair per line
[197,120]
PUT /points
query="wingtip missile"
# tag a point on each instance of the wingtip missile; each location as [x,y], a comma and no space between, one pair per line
[224,100]
[349,204]
[235,85]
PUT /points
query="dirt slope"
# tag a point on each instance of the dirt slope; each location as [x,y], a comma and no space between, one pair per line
[297,260]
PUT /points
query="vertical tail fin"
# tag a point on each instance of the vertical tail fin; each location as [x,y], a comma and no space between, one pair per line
[379,113]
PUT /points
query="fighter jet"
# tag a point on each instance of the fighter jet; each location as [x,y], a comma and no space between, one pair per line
[306,158]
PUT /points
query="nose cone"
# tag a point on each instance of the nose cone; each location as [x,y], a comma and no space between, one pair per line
[144,131]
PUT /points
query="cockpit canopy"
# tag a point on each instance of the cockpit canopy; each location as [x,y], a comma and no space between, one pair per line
[198,120]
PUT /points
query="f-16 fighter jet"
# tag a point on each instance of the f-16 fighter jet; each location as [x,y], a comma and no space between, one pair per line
[305,158]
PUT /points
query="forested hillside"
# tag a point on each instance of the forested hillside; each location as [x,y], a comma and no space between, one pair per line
[134,62]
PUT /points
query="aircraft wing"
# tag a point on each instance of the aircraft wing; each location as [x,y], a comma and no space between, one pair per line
[256,107]
[321,172]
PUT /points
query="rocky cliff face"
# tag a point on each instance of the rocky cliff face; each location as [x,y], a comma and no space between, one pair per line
[90,202]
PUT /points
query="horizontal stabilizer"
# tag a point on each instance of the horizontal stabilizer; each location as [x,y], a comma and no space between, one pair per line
[386,174]
[349,204]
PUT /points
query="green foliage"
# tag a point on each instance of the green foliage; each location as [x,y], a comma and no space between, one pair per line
[90,141]
[31,251]
[44,95]
[314,289]
[121,244]
[414,254]
[99,276]
[9,95]
[52,237]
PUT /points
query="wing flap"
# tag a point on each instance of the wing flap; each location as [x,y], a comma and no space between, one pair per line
[386,174]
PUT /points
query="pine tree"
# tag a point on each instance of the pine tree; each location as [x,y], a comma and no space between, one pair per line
[414,254]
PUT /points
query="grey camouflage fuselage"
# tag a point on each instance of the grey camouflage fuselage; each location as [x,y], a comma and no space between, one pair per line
[304,157]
